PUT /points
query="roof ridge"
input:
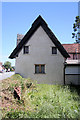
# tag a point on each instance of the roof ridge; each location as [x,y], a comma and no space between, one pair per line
[38,21]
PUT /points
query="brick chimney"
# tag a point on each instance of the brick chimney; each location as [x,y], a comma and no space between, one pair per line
[19,38]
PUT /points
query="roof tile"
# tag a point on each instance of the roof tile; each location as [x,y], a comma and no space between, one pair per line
[72,48]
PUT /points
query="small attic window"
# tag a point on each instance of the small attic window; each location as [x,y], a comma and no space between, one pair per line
[54,50]
[26,49]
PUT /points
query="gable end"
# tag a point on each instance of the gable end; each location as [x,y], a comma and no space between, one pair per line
[39,22]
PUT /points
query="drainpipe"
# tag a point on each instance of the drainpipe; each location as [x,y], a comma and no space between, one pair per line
[64,69]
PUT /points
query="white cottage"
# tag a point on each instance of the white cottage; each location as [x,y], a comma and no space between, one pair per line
[39,55]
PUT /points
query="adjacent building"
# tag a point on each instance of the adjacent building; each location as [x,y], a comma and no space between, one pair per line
[72,66]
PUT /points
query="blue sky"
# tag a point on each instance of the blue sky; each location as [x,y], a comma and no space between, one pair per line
[17,17]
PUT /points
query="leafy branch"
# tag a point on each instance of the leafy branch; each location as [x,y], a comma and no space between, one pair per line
[76,28]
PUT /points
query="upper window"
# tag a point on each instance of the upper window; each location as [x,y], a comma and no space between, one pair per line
[26,49]
[40,68]
[54,50]
[75,56]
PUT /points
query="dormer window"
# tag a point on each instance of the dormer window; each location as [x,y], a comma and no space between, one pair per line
[54,50]
[26,49]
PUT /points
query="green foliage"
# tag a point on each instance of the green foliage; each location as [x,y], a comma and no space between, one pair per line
[20,102]
[22,85]
[76,28]
[53,101]
[11,89]
[28,85]
[17,77]
[7,65]
[12,68]
[45,101]
[16,114]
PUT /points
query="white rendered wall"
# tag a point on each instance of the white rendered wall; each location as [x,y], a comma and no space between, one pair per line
[72,75]
[72,70]
[40,53]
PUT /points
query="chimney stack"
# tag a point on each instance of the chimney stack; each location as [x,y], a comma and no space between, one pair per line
[19,38]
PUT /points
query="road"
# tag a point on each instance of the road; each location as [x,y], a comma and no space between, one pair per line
[6,75]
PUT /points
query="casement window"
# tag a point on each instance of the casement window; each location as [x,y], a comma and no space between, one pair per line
[39,68]
[54,50]
[26,49]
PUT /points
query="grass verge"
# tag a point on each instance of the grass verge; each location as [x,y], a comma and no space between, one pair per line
[40,100]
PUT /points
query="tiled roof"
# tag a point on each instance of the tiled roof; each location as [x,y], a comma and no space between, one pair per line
[72,48]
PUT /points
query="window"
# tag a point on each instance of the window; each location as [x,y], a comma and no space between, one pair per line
[54,50]
[26,49]
[75,56]
[40,68]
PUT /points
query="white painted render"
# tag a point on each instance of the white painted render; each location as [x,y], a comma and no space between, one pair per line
[40,53]
[72,75]
[72,70]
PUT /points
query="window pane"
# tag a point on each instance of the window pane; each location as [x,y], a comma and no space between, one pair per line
[54,50]
[36,68]
[26,49]
[42,69]
[39,68]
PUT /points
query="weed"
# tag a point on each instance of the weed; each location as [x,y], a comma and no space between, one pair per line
[42,101]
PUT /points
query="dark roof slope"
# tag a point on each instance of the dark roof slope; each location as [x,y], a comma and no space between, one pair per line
[39,22]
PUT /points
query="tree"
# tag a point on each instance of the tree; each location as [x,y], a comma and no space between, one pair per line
[76,28]
[7,65]
[13,68]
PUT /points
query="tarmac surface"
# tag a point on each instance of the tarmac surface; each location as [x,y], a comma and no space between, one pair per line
[5,75]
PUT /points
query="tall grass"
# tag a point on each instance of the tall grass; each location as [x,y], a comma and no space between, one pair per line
[45,101]
[54,101]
